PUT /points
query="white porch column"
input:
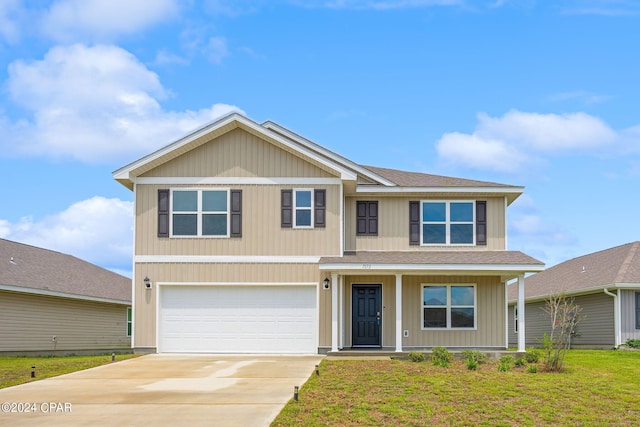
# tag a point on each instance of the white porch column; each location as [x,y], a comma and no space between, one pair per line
[334,312]
[521,331]
[398,312]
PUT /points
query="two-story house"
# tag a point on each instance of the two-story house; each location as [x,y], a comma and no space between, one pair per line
[251,238]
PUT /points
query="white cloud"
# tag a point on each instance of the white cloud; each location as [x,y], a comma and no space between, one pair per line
[98,230]
[70,20]
[518,139]
[94,104]
[9,21]
[196,41]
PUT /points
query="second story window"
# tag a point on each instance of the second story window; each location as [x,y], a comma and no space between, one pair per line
[303,205]
[201,213]
[448,223]
[303,208]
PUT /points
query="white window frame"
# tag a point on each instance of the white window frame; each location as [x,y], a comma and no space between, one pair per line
[200,213]
[447,222]
[448,306]
[296,208]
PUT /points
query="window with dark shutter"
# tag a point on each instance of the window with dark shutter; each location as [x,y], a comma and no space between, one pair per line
[236,213]
[163,213]
[481,223]
[367,218]
[286,208]
[320,207]
[637,310]
[414,223]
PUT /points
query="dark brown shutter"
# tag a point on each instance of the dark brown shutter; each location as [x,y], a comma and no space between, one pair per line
[286,208]
[414,223]
[163,213]
[361,218]
[319,207]
[367,218]
[481,223]
[236,213]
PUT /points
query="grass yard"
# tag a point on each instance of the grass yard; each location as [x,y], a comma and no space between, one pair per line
[16,370]
[598,388]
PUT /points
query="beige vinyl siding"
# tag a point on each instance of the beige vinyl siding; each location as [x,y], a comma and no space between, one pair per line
[30,321]
[393,224]
[490,306]
[238,154]
[207,273]
[262,234]
[628,315]
[595,329]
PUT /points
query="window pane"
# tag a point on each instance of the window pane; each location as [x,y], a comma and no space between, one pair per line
[303,199]
[435,317]
[214,201]
[462,295]
[461,233]
[433,212]
[462,317]
[434,233]
[185,201]
[303,218]
[214,225]
[435,295]
[185,225]
[461,212]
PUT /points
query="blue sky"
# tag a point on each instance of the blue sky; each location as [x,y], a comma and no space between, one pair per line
[533,93]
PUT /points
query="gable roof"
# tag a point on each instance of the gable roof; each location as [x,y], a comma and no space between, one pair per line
[372,179]
[617,267]
[25,268]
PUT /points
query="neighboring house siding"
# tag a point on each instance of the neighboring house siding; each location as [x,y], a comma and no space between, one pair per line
[628,315]
[393,224]
[30,321]
[238,154]
[262,234]
[217,273]
[595,329]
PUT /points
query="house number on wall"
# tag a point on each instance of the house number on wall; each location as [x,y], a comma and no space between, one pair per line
[366,266]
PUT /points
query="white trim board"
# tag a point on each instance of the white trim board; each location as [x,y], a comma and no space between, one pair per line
[226,259]
[173,180]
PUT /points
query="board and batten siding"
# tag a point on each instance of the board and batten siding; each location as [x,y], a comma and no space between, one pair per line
[393,224]
[29,322]
[239,154]
[628,315]
[216,273]
[262,234]
[595,328]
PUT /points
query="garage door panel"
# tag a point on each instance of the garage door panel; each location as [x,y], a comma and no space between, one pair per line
[238,319]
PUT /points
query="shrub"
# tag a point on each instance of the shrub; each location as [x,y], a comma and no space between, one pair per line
[532,369]
[506,362]
[532,355]
[474,355]
[633,343]
[520,361]
[440,356]
[416,356]
[472,364]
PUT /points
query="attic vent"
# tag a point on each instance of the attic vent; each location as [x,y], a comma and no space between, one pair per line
[12,261]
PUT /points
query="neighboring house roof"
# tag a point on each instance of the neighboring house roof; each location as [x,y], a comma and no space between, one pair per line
[505,263]
[617,267]
[25,268]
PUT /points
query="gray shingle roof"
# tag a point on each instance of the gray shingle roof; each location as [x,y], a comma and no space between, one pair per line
[436,257]
[33,268]
[416,179]
[618,265]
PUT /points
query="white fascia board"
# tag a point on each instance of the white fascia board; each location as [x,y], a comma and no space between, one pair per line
[50,293]
[326,152]
[172,180]
[496,190]
[146,259]
[478,268]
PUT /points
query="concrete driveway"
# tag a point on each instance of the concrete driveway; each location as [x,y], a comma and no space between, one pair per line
[162,390]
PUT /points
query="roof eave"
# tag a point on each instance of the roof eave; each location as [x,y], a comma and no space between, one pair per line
[512,193]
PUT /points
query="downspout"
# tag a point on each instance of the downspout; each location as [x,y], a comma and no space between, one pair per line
[616,315]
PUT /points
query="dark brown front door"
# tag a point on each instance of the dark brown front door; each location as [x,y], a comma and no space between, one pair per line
[367,315]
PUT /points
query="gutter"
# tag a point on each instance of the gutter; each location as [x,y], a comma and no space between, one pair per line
[616,315]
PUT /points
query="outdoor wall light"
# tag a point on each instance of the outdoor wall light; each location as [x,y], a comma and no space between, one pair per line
[147,282]
[325,283]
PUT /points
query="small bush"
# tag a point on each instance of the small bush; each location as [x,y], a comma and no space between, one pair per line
[520,361]
[440,356]
[474,355]
[532,355]
[506,363]
[416,356]
[633,343]
[532,369]
[472,364]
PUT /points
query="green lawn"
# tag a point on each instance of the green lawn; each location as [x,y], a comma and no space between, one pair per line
[16,370]
[598,388]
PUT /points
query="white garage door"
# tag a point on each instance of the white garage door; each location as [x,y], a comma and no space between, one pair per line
[237,319]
